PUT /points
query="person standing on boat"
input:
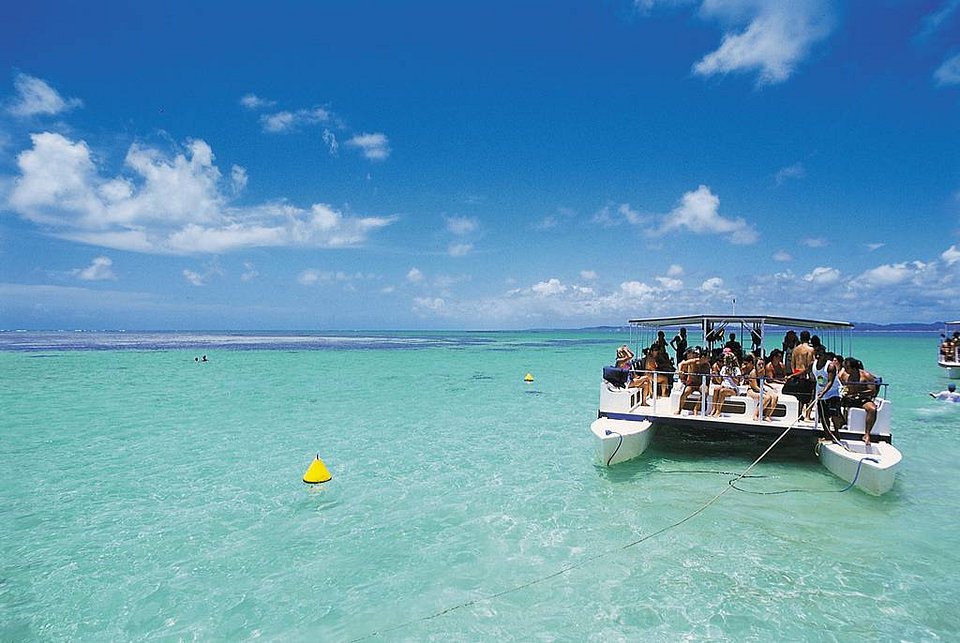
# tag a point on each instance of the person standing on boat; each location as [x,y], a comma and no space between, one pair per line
[803,384]
[827,399]
[679,344]
[950,395]
[858,388]
[789,343]
[734,346]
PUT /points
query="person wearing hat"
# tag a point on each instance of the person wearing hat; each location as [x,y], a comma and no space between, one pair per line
[624,357]
[950,395]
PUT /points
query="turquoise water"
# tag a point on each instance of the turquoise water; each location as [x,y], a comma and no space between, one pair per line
[147,496]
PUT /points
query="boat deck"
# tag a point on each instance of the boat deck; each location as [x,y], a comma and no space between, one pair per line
[736,418]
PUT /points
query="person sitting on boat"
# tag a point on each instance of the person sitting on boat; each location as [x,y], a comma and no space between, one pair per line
[858,388]
[827,398]
[950,395]
[645,378]
[758,388]
[624,357]
[692,371]
[728,380]
[776,372]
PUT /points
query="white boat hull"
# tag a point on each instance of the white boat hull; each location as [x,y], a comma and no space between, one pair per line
[621,440]
[870,467]
[951,369]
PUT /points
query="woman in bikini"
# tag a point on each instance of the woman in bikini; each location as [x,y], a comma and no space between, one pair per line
[765,394]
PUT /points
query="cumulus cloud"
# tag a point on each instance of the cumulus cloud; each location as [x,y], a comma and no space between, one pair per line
[675,270]
[461,225]
[893,274]
[34,97]
[414,275]
[823,275]
[951,255]
[286,121]
[375,146]
[588,275]
[459,249]
[817,242]
[164,203]
[948,73]
[712,285]
[670,283]
[548,288]
[252,101]
[782,255]
[698,212]
[99,270]
[769,38]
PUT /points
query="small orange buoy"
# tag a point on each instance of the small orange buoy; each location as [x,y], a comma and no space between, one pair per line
[317,472]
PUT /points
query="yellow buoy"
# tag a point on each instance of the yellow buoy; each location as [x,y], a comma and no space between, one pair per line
[528,377]
[317,472]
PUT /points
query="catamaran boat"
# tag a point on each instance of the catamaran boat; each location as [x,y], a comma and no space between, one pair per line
[949,356]
[627,422]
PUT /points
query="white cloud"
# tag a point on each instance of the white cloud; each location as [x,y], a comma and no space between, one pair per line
[98,270]
[935,20]
[375,146]
[712,285]
[35,97]
[330,139]
[461,225]
[238,176]
[951,255]
[698,213]
[249,272]
[252,101]
[211,269]
[414,276]
[795,171]
[164,204]
[818,242]
[670,283]
[822,275]
[588,275]
[893,274]
[286,121]
[874,246]
[782,255]
[949,72]
[459,249]
[432,304]
[773,37]
[309,277]
[548,288]
[675,270]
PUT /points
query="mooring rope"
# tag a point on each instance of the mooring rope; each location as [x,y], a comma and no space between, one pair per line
[589,559]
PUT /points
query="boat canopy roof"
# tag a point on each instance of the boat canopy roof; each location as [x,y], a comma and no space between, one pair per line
[765,320]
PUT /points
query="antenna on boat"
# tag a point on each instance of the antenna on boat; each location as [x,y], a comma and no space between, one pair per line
[734,311]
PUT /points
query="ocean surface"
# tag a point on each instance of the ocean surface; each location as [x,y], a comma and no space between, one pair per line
[148,496]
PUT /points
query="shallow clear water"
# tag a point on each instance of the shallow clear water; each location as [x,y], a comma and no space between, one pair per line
[145,495]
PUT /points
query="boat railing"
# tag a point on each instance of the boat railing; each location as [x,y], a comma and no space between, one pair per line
[707,379]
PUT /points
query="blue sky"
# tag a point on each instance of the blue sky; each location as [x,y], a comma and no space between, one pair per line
[344,165]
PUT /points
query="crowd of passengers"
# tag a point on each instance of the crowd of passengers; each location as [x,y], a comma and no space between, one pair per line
[949,346]
[804,368]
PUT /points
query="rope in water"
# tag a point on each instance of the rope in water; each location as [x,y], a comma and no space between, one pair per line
[589,559]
